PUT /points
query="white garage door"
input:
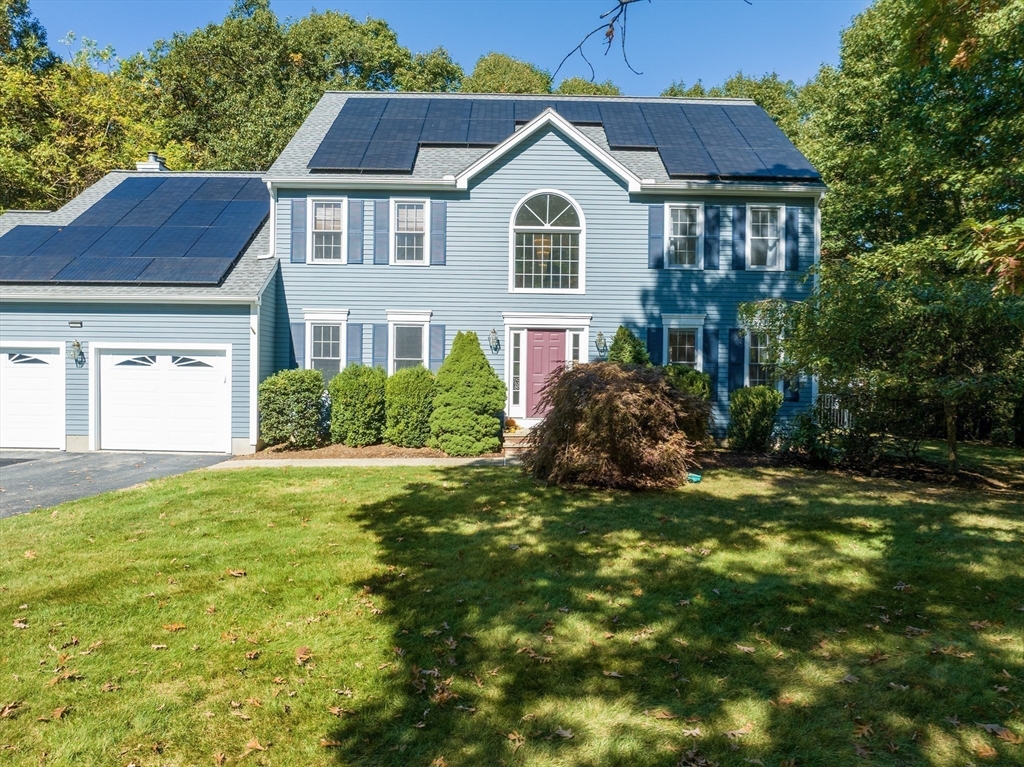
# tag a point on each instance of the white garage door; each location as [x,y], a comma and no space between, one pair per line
[159,400]
[31,397]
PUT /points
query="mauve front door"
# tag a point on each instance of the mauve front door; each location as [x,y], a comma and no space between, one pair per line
[545,354]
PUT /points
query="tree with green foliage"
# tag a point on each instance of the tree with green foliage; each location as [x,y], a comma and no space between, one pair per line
[628,349]
[23,38]
[409,401]
[499,73]
[469,399]
[906,320]
[778,97]
[580,86]
[357,405]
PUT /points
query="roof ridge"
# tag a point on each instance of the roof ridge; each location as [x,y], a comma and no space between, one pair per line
[546,97]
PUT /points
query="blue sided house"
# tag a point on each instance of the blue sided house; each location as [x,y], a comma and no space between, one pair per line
[144,313]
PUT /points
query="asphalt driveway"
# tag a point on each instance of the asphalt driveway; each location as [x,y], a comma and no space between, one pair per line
[34,479]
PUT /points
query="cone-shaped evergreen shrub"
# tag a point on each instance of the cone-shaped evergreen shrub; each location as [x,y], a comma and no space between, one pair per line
[689,381]
[615,426]
[752,414]
[469,399]
[627,349]
[409,401]
[357,405]
[292,408]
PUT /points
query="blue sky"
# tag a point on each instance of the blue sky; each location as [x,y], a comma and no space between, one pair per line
[668,40]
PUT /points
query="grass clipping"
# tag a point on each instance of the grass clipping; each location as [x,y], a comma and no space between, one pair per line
[620,426]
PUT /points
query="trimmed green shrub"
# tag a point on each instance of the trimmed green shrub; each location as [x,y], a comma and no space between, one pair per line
[292,408]
[628,349]
[357,405]
[752,413]
[615,426]
[468,403]
[408,403]
[689,381]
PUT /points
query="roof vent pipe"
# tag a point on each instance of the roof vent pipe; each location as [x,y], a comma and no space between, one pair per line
[153,162]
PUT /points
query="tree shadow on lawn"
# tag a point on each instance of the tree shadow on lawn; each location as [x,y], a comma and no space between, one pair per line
[651,624]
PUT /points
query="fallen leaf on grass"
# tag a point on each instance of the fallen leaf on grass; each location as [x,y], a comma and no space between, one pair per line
[745,648]
[219,758]
[253,745]
[7,711]
[339,712]
[862,751]
[20,624]
[563,733]
[661,714]
[110,687]
[236,573]
[849,679]
[517,740]
[30,554]
[875,658]
[63,677]
[439,762]
[210,611]
[902,687]
[863,731]
[252,655]
[172,627]
[901,586]
[159,646]
[980,625]
[985,751]
[694,733]
[302,656]
[325,743]
[612,674]
[744,730]
[241,715]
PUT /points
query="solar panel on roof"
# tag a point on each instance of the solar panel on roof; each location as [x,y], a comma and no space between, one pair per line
[71,241]
[581,112]
[170,242]
[102,270]
[23,239]
[219,188]
[527,109]
[194,271]
[254,189]
[150,212]
[340,155]
[136,188]
[246,214]
[397,130]
[447,122]
[396,156]
[493,109]
[220,242]
[32,268]
[106,212]
[405,109]
[625,126]
[196,213]
[490,132]
[687,162]
[120,241]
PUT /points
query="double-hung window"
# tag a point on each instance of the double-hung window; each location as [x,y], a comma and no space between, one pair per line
[765,243]
[684,336]
[758,370]
[325,340]
[408,339]
[547,245]
[326,227]
[684,238]
[410,232]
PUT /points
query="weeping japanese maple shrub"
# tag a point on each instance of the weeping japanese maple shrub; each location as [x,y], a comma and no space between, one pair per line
[611,425]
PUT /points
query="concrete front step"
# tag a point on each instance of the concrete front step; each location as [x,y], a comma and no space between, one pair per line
[515,442]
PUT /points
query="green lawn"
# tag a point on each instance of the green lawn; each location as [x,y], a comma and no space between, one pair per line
[469,617]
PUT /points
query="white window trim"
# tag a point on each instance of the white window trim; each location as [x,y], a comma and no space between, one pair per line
[310,217]
[325,317]
[667,234]
[779,385]
[512,245]
[781,264]
[520,322]
[398,317]
[684,322]
[393,230]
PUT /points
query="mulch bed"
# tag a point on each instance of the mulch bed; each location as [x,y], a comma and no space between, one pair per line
[342,451]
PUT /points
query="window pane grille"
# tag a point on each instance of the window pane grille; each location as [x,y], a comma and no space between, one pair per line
[410,221]
[326,352]
[682,347]
[764,237]
[759,373]
[683,240]
[408,346]
[327,231]
[547,260]
[517,351]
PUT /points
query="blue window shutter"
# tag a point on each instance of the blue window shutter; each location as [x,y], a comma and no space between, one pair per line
[438,232]
[655,340]
[736,361]
[712,243]
[711,359]
[355,231]
[792,239]
[436,347]
[299,343]
[354,343]
[656,237]
[739,237]
[381,229]
[298,252]
[792,389]
[380,346]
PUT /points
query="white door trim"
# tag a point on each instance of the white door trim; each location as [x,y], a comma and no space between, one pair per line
[97,348]
[59,347]
[515,322]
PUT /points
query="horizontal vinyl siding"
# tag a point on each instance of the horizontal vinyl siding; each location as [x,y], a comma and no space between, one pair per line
[135,324]
[268,327]
[471,291]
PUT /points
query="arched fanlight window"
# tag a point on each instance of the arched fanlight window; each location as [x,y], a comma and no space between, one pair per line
[547,244]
